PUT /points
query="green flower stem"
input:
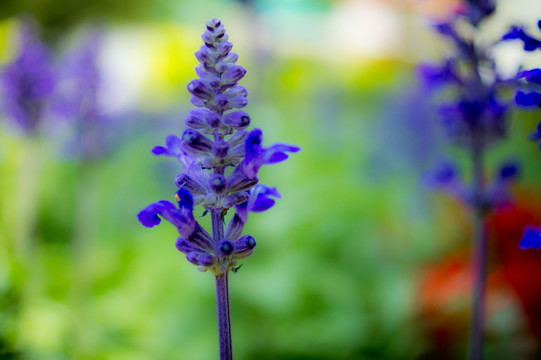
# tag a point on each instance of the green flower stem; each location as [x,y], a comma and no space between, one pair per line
[223,308]
[478,254]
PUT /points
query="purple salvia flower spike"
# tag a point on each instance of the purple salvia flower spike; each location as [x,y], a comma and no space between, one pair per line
[220,161]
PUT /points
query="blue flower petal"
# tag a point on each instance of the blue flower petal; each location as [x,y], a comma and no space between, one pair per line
[528,99]
[277,157]
[185,199]
[160,150]
[174,145]
[256,155]
[533,75]
[260,198]
[149,215]
[530,240]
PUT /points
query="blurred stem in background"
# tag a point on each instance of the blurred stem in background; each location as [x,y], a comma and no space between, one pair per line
[474,120]
[479,251]
[26,205]
[27,87]
[82,256]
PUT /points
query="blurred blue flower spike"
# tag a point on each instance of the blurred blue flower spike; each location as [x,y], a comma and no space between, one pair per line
[28,81]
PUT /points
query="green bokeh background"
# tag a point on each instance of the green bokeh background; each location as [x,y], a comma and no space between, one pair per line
[341,259]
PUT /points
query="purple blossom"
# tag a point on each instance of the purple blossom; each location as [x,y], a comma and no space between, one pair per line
[180,216]
[28,81]
[256,155]
[220,161]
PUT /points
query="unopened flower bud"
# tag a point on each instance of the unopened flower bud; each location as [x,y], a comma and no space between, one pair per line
[238,102]
[203,56]
[197,118]
[231,57]
[200,90]
[233,74]
[185,181]
[220,149]
[234,227]
[201,258]
[207,38]
[224,248]
[236,198]
[238,90]
[224,48]
[222,66]
[185,246]
[215,81]
[221,101]
[238,180]
[196,141]
[218,184]
[237,119]
[237,138]
[197,101]
[243,247]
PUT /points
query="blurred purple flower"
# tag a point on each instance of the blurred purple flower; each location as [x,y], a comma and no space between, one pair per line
[530,240]
[475,118]
[77,98]
[28,81]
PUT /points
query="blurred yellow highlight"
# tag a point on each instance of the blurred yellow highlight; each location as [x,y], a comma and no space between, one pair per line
[171,48]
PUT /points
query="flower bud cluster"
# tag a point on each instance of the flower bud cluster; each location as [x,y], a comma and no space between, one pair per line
[220,161]
[469,74]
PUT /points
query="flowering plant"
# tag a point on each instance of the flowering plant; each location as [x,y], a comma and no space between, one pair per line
[475,119]
[220,173]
